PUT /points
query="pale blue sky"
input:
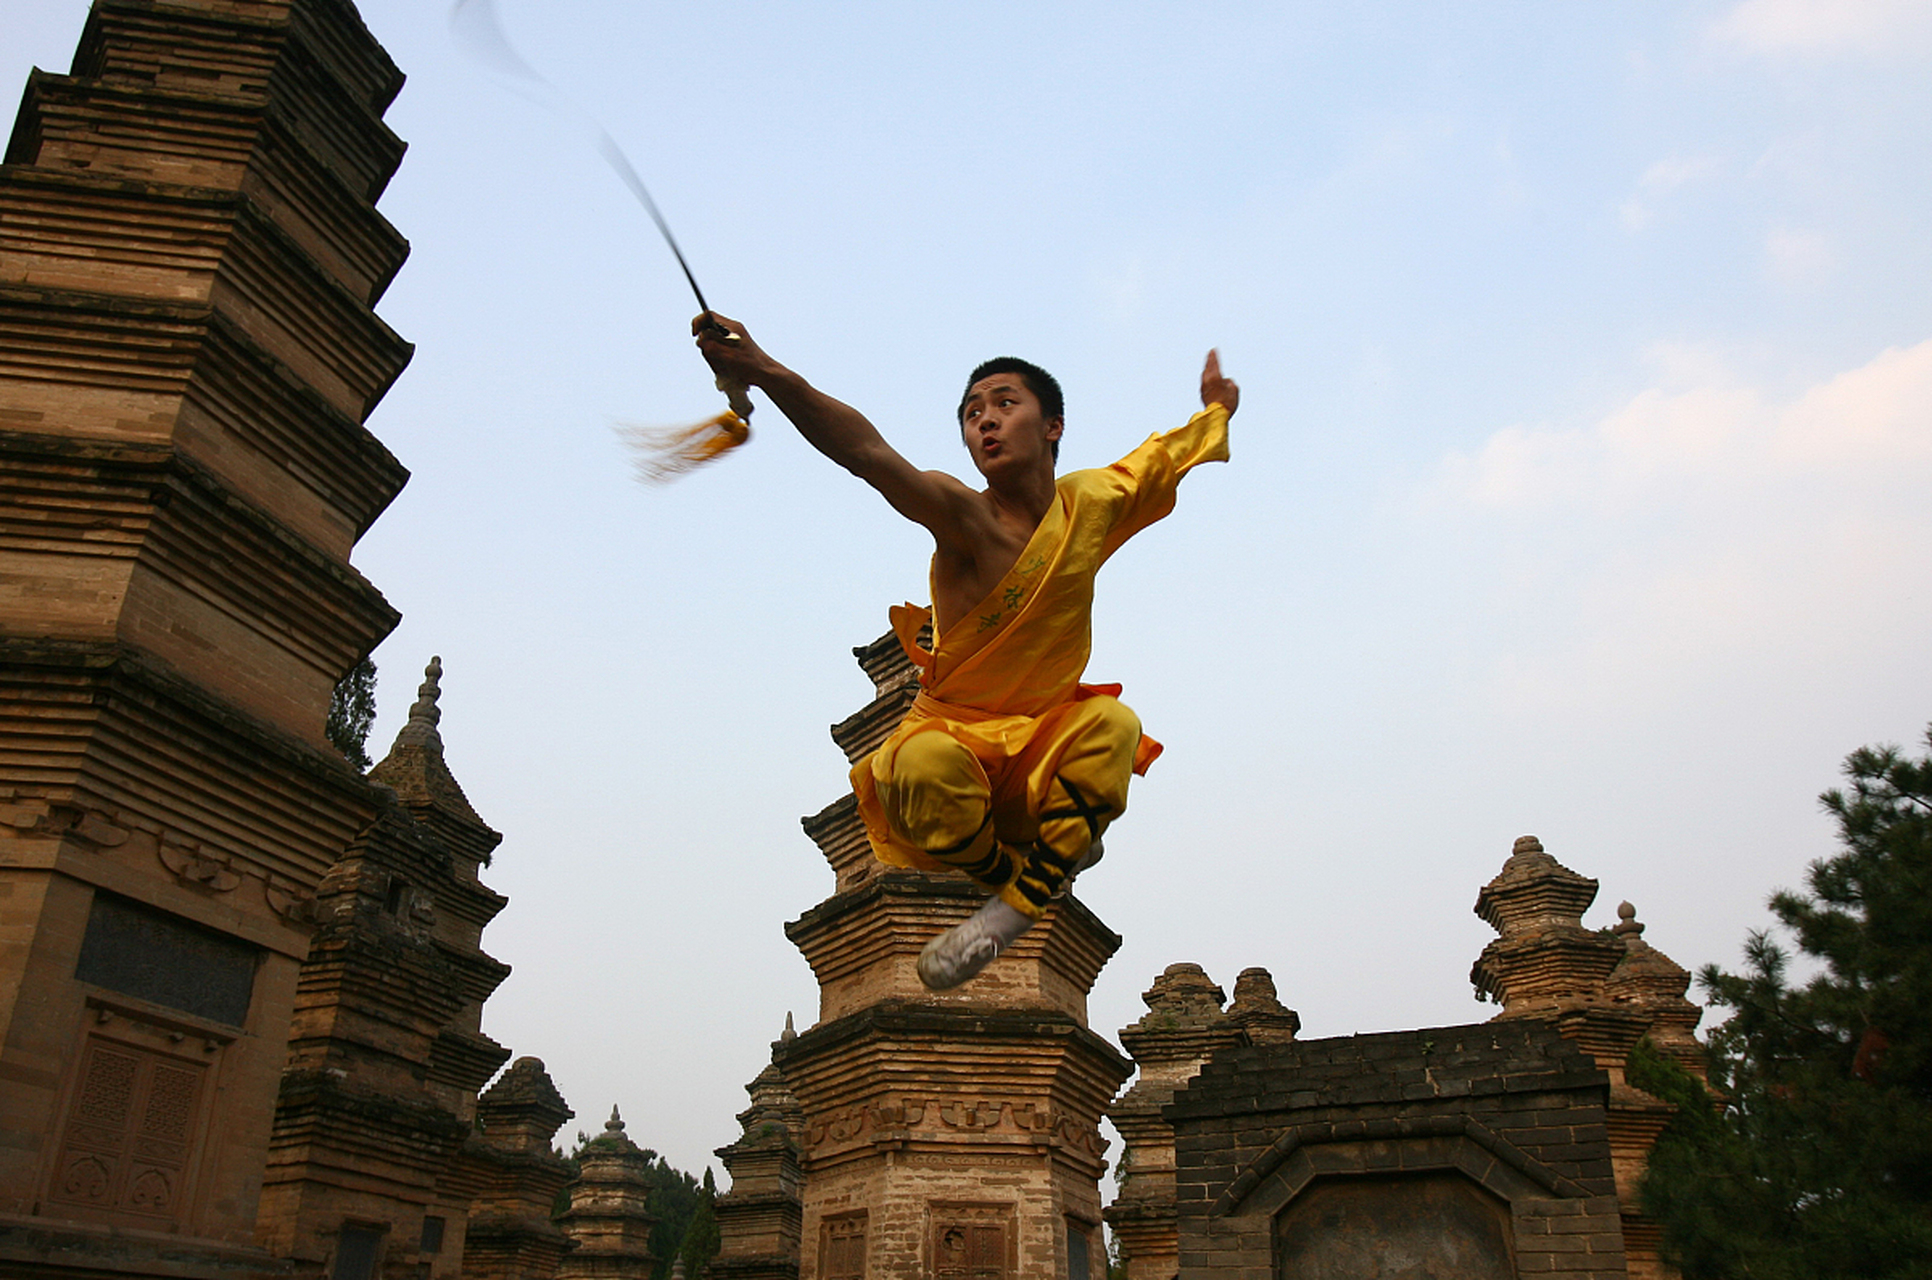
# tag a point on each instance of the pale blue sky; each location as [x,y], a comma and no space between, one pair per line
[1579,486]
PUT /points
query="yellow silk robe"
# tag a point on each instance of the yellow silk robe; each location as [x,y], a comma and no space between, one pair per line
[992,676]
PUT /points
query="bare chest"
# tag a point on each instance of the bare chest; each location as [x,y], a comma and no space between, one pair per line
[961,584]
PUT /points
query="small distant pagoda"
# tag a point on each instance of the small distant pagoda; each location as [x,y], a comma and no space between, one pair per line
[759,1219]
[940,1134]
[1603,989]
[376,1117]
[1183,1028]
[610,1218]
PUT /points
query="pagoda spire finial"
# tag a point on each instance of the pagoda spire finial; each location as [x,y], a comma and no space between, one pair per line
[420,731]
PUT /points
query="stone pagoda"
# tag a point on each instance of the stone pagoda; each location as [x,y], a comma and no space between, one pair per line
[610,1217]
[759,1219]
[1604,990]
[518,1176]
[943,1134]
[1184,1026]
[378,1100]
[187,353]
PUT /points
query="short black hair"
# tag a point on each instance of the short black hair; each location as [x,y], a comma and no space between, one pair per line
[1044,386]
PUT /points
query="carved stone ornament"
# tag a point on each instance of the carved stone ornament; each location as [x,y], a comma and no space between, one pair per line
[291,905]
[30,815]
[194,868]
[93,826]
[871,1123]
[18,816]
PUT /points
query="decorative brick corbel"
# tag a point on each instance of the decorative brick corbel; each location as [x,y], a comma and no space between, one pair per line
[194,868]
[292,905]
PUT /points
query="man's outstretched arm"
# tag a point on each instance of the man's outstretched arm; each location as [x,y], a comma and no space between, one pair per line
[837,430]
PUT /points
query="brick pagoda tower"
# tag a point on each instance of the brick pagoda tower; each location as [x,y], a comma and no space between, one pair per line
[189,257]
[373,1150]
[1184,1026]
[759,1218]
[944,1134]
[1605,990]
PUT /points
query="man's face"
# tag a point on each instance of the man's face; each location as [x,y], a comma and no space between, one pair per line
[1003,425]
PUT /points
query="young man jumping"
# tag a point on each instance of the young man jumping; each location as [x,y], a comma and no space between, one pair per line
[1007,767]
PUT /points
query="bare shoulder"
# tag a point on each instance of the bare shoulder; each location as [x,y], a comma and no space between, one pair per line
[962,513]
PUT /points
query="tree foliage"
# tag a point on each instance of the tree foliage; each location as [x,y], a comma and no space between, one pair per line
[1813,1158]
[701,1237]
[352,711]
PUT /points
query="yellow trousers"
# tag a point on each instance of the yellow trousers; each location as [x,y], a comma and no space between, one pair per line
[1014,802]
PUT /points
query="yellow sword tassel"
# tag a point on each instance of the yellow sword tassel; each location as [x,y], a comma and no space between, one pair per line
[661,454]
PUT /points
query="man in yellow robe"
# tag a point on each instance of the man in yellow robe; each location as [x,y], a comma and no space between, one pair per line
[1007,767]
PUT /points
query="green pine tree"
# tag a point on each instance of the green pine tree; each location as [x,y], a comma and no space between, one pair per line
[1813,1158]
[352,711]
[674,1200]
[701,1237]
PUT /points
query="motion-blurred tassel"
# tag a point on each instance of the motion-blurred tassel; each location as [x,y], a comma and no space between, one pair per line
[664,453]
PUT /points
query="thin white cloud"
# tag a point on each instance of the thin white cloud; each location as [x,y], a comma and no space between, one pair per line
[1824,27]
[1709,533]
[1867,426]
[1792,256]
[1657,182]
[1121,286]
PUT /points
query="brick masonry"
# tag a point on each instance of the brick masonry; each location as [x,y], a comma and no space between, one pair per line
[1463,1146]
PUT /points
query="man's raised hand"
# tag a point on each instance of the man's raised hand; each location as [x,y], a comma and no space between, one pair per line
[1216,389]
[729,350]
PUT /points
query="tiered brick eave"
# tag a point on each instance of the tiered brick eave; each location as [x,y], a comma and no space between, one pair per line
[141,133]
[863,945]
[124,773]
[315,62]
[109,370]
[131,543]
[210,246]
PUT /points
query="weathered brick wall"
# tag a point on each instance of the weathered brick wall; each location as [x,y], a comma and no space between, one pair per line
[1493,1135]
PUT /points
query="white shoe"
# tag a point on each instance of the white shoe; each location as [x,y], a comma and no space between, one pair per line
[967,947]
[1093,854]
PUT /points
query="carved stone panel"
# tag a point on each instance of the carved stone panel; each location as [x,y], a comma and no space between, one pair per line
[1441,1226]
[972,1242]
[130,1133]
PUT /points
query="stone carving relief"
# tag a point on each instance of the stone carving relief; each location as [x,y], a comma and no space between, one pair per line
[194,868]
[291,904]
[24,815]
[102,829]
[130,1133]
[902,1119]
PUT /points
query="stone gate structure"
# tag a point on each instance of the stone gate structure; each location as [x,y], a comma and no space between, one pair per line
[1500,1149]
